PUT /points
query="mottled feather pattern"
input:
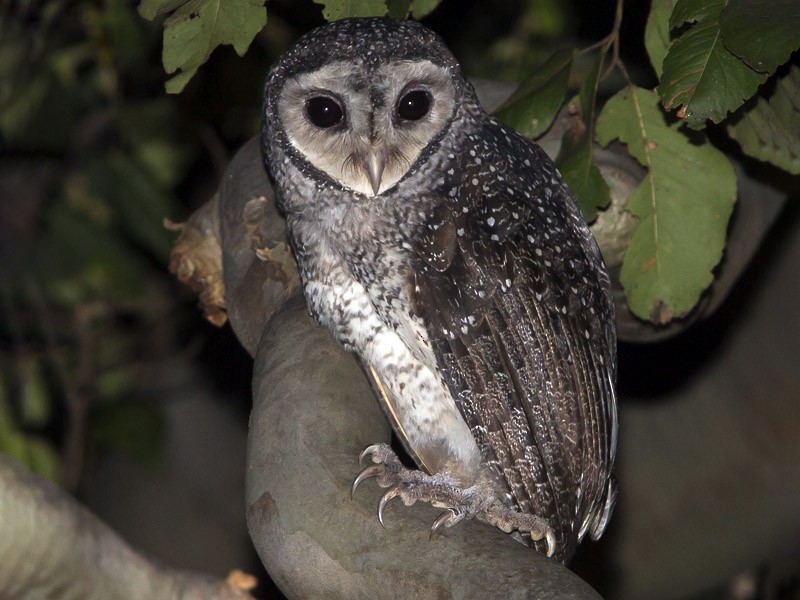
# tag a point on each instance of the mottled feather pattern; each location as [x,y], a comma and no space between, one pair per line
[519,327]
[471,289]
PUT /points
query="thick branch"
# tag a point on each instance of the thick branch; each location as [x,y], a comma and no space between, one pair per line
[313,413]
[52,547]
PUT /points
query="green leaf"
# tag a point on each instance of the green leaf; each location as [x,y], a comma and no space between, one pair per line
[341,9]
[683,206]
[769,128]
[533,106]
[763,33]
[196,27]
[150,9]
[584,179]
[422,8]
[398,9]
[575,159]
[657,38]
[699,74]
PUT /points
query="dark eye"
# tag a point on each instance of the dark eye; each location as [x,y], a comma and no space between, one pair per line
[324,111]
[414,105]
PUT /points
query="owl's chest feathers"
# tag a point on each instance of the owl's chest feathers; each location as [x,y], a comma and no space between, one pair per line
[355,271]
[353,264]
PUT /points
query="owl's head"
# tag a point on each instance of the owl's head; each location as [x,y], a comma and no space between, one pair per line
[360,100]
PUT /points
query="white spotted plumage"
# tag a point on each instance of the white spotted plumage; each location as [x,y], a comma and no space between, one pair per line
[445,251]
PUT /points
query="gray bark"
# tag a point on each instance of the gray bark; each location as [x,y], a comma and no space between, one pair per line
[51,547]
[313,413]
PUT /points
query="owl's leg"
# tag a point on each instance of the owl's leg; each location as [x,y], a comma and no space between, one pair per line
[440,489]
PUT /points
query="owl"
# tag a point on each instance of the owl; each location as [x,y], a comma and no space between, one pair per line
[447,253]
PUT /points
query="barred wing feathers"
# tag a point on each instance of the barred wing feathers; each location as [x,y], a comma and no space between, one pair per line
[518,310]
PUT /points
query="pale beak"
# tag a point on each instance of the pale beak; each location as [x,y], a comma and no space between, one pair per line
[375,166]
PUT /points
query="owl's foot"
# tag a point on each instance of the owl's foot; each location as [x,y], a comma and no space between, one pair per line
[443,491]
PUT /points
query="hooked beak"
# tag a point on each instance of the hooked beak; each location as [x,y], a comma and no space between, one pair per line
[375,164]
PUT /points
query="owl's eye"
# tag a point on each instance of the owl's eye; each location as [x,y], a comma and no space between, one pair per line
[324,111]
[414,105]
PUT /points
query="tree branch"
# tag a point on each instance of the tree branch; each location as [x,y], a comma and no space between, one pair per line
[51,547]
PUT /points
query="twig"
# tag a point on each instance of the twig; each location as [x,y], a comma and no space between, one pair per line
[612,42]
[77,400]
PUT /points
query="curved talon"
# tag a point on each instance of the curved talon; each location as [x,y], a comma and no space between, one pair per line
[441,520]
[387,496]
[551,543]
[367,451]
[371,471]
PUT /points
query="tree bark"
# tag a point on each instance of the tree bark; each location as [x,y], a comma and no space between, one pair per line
[52,547]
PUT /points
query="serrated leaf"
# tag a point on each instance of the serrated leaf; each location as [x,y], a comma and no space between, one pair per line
[333,10]
[699,74]
[576,158]
[657,38]
[683,206]
[763,33]
[197,27]
[535,103]
[769,128]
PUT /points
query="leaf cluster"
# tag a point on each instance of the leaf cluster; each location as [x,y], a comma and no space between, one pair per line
[712,59]
[711,74]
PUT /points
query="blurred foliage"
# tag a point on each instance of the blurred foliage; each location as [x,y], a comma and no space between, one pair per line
[93,157]
[88,170]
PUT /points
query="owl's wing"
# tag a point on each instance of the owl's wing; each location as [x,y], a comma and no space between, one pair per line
[518,310]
